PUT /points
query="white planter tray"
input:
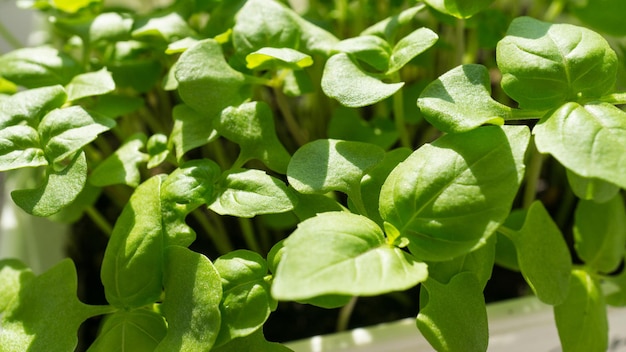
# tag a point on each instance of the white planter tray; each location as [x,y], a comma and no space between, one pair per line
[518,325]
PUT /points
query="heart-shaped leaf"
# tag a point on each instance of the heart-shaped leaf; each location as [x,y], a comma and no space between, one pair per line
[410,47]
[138,330]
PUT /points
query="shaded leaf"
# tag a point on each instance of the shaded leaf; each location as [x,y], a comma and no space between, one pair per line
[591,188]
[453,316]
[137,330]
[581,319]
[600,233]
[59,189]
[122,167]
[191,130]
[254,342]
[410,47]
[191,306]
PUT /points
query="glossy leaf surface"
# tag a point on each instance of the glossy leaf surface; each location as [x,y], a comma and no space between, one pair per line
[590,140]
[544,65]
[460,100]
[432,195]
[342,253]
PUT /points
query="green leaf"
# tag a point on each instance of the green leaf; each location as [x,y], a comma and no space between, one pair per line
[591,188]
[581,319]
[540,245]
[251,125]
[157,150]
[479,262]
[64,131]
[389,26]
[600,234]
[347,124]
[447,199]
[31,105]
[90,84]
[346,82]
[185,189]
[72,6]
[114,106]
[247,193]
[20,147]
[14,275]
[327,165]
[616,289]
[265,23]
[369,49]
[459,8]
[253,342]
[590,140]
[246,300]
[601,15]
[138,330]
[309,205]
[38,67]
[460,100]
[409,47]
[506,254]
[59,189]
[341,253]
[272,58]
[122,167]
[205,80]
[132,268]
[191,306]
[191,130]
[26,321]
[544,65]
[373,180]
[169,28]
[453,316]
[110,27]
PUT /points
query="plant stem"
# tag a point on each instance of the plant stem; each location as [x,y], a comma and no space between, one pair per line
[248,234]
[615,98]
[290,120]
[555,9]
[523,114]
[533,173]
[507,232]
[218,236]
[345,313]
[100,221]
[460,42]
[9,37]
[398,115]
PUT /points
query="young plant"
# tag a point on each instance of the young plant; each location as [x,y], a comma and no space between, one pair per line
[228,111]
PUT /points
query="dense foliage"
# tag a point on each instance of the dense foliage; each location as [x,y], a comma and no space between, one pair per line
[353,148]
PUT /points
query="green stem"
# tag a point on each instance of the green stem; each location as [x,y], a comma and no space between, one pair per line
[100,221]
[9,37]
[290,120]
[555,9]
[357,199]
[345,313]
[218,237]
[248,234]
[398,115]
[460,42]
[533,173]
[511,234]
[523,114]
